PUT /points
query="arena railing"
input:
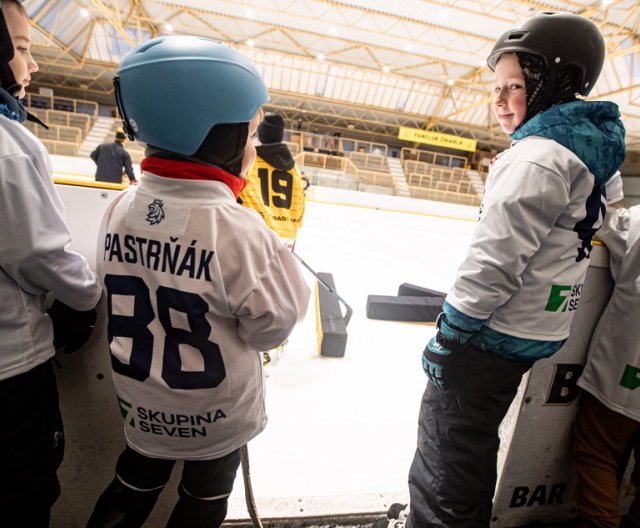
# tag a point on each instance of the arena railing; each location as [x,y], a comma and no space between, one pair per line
[434,158]
[444,196]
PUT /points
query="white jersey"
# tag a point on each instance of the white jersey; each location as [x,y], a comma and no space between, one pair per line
[34,255]
[612,371]
[197,285]
[529,254]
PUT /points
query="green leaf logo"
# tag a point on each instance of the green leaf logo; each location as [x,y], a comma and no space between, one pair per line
[558,298]
[125,407]
[630,377]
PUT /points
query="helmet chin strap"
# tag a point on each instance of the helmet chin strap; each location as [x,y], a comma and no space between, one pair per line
[7,80]
[544,100]
[10,85]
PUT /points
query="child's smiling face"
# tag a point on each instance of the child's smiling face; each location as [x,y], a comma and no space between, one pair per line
[509,95]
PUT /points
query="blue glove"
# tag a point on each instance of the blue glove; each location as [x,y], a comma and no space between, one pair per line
[436,355]
[433,359]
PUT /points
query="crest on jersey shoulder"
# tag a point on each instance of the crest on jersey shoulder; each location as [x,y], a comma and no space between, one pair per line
[156,212]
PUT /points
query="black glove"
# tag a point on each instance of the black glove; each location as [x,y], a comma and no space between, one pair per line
[71,328]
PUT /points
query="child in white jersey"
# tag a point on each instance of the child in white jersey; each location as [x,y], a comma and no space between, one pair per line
[608,425]
[196,283]
[35,263]
[543,203]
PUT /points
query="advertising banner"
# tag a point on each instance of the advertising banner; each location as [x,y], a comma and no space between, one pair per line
[436,138]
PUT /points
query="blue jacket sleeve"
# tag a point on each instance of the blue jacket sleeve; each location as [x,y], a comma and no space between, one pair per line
[461,320]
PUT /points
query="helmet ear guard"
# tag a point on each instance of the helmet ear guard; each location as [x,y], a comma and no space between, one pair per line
[561,40]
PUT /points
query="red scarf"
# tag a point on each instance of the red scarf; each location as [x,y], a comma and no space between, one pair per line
[189,170]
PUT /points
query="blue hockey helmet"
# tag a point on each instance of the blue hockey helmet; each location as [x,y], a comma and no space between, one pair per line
[171,91]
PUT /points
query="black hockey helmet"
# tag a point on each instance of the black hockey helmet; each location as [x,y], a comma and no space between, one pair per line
[562,40]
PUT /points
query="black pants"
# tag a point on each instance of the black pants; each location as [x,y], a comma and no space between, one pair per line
[31,448]
[204,491]
[453,475]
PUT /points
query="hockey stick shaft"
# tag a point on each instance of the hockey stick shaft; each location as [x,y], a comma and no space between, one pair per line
[349,310]
[248,488]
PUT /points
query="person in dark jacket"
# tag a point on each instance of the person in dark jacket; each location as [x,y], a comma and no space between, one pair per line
[111,159]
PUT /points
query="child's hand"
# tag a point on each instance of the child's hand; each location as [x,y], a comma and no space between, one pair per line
[437,354]
[434,358]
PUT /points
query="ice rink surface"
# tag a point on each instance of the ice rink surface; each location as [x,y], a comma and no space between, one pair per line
[342,431]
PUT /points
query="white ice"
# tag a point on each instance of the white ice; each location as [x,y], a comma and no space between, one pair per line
[342,431]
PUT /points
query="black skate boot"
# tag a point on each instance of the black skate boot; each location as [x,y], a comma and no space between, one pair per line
[396,517]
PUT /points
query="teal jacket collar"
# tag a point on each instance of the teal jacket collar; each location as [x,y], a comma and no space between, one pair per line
[11,107]
[592,130]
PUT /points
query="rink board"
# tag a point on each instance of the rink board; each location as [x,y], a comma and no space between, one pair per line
[536,476]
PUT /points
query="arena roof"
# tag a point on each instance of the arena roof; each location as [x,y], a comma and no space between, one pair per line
[414,62]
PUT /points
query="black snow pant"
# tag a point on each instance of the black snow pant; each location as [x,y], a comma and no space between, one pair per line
[31,447]
[204,491]
[453,475]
